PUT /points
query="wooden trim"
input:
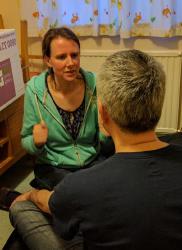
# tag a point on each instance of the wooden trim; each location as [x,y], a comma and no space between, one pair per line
[35,56]
[1,22]
[3,141]
[24,50]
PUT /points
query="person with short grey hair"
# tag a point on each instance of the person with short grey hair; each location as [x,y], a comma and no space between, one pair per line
[132,200]
[131,85]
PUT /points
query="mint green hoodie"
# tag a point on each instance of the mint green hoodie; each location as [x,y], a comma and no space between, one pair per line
[60,148]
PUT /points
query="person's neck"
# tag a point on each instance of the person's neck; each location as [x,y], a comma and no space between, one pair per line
[63,86]
[130,142]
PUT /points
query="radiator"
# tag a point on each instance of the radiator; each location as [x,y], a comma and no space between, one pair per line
[171,61]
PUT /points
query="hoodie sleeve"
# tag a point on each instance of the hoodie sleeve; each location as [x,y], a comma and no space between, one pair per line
[30,118]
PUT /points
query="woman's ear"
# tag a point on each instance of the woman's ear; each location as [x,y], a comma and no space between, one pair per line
[48,61]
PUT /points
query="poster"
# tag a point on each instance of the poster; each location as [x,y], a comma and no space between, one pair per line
[7,86]
[11,78]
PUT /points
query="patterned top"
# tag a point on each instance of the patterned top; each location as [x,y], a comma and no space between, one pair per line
[72,120]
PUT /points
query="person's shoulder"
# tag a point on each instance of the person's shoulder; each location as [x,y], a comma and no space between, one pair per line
[81,184]
[89,77]
[37,82]
[84,175]
[175,148]
[87,73]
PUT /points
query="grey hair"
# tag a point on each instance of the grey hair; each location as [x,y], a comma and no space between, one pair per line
[131,86]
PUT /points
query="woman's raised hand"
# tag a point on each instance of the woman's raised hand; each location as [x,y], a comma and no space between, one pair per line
[40,134]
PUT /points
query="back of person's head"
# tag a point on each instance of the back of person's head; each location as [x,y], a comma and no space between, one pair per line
[131,86]
[54,33]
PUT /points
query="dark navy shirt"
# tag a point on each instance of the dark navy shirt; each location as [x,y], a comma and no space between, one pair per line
[131,201]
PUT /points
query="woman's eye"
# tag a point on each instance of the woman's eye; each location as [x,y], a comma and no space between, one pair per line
[64,56]
[74,55]
[61,57]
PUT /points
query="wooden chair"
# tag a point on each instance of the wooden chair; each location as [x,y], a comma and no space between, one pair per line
[1,22]
[25,56]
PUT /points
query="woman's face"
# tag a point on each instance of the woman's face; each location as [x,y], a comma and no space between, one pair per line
[64,59]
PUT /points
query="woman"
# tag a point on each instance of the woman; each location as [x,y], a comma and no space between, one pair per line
[60,123]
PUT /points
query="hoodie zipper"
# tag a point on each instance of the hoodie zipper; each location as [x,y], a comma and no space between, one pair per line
[77,152]
[73,141]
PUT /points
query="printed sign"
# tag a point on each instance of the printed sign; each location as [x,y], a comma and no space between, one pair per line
[11,79]
[7,86]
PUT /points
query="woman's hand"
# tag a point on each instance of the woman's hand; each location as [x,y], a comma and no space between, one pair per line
[40,134]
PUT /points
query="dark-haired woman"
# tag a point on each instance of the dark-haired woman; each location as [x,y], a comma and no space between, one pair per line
[60,123]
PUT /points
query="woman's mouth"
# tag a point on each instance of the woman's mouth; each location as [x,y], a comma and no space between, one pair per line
[70,72]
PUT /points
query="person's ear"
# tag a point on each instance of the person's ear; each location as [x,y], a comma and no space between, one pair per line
[48,61]
[103,119]
[103,112]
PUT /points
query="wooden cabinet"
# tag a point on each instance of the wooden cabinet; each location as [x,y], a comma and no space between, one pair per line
[10,127]
[10,141]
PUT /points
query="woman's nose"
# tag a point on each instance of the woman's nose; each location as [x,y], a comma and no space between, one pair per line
[69,60]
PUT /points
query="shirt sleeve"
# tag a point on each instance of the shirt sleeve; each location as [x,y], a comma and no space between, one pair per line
[65,209]
[29,120]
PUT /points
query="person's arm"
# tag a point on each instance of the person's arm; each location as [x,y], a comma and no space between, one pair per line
[39,197]
[32,124]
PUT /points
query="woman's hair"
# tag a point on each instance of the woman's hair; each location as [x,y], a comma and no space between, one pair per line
[55,33]
[131,85]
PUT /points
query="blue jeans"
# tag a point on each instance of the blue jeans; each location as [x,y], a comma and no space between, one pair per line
[35,227]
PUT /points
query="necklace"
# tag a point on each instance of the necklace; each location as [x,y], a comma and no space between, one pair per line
[71,118]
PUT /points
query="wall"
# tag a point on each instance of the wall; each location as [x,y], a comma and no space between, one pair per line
[10,11]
